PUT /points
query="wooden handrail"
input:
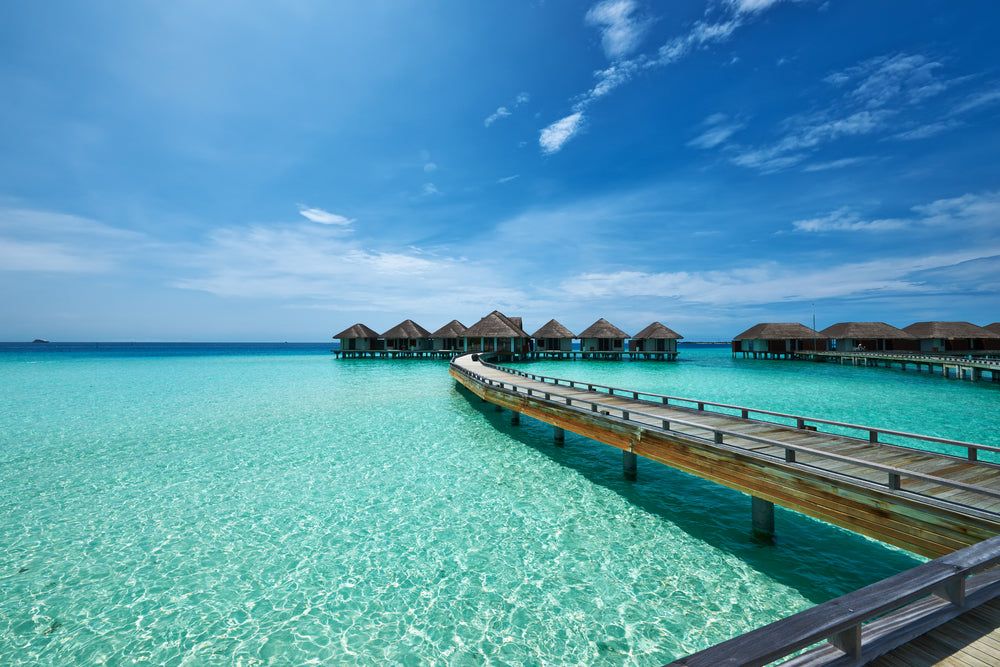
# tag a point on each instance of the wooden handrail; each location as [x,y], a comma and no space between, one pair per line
[873,432]
[840,621]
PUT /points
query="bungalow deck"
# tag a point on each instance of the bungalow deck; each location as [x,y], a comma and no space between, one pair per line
[395,354]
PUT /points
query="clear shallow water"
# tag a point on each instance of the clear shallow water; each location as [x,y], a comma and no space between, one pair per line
[272,505]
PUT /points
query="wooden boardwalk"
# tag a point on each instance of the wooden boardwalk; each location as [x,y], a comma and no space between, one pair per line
[923,501]
[971,367]
[945,506]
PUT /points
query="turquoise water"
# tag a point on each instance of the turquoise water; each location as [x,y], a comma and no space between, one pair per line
[272,505]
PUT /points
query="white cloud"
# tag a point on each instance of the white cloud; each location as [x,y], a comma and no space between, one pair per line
[324,217]
[501,112]
[751,6]
[771,283]
[964,213]
[845,219]
[430,189]
[835,164]
[979,100]
[47,242]
[429,167]
[875,92]
[969,210]
[927,130]
[508,179]
[313,267]
[621,33]
[719,130]
[37,257]
[553,137]
[504,112]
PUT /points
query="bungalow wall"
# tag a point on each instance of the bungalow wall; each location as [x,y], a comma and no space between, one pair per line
[653,345]
[409,344]
[360,344]
[602,344]
[447,344]
[554,344]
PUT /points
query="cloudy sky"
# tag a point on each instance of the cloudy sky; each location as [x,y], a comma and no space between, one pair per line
[224,170]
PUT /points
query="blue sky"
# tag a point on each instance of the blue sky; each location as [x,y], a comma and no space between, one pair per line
[279,171]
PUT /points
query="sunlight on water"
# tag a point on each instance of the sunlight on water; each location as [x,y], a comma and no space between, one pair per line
[251,508]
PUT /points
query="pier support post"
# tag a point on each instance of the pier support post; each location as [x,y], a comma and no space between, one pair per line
[628,464]
[559,435]
[515,418]
[763,518]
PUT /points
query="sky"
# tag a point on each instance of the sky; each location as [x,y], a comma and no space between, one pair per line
[278,171]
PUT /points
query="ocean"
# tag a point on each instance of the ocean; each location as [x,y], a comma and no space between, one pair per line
[197,504]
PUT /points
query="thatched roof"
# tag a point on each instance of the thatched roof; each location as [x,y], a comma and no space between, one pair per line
[948,330]
[407,329]
[602,329]
[858,330]
[453,329]
[496,325]
[657,331]
[995,327]
[553,329]
[779,331]
[357,331]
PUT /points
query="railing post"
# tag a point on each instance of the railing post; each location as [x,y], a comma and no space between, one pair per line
[745,413]
[894,481]
[625,415]
[790,455]
[873,436]
[848,641]
[718,437]
[973,454]
[953,592]
[666,424]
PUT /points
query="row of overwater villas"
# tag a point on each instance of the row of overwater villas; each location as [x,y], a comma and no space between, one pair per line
[773,340]
[498,333]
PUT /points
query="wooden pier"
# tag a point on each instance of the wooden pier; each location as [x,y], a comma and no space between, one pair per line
[923,501]
[970,367]
[940,505]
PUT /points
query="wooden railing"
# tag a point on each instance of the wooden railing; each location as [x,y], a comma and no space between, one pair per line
[980,359]
[869,622]
[871,433]
[894,475]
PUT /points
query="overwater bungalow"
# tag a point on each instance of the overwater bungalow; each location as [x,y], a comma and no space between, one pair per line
[359,338]
[993,344]
[450,336]
[602,340]
[407,336]
[774,340]
[655,342]
[952,337]
[869,337]
[553,340]
[498,333]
